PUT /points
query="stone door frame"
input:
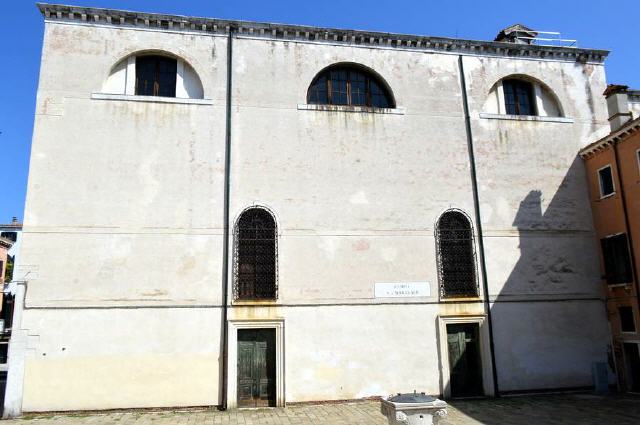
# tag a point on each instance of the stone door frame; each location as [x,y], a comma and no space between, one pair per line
[485,355]
[232,381]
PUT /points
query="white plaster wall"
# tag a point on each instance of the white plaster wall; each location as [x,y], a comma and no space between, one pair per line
[124,208]
[116,194]
[536,218]
[332,180]
[356,195]
[188,85]
[116,82]
[129,197]
[114,358]
[360,351]
[547,345]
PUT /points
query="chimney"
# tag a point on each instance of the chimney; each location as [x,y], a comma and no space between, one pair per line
[14,219]
[618,105]
[518,34]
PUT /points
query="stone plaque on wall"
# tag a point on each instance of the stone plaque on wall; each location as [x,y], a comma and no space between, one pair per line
[402,289]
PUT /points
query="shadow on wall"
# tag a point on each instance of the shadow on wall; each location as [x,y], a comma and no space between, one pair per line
[549,318]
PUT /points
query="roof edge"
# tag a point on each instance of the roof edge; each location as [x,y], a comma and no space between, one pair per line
[125,18]
[617,136]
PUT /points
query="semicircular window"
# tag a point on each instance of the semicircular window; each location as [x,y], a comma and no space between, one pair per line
[160,75]
[456,256]
[255,256]
[349,85]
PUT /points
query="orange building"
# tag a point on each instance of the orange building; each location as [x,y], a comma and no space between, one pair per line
[5,245]
[613,170]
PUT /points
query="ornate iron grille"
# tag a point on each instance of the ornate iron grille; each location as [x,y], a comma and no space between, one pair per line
[255,254]
[456,255]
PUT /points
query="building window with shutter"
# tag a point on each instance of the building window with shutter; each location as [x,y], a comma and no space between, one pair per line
[456,255]
[617,262]
[255,254]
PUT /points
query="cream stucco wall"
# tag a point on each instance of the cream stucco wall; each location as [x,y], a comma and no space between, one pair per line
[129,196]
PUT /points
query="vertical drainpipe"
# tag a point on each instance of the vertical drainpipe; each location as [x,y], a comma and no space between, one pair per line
[225,246]
[476,206]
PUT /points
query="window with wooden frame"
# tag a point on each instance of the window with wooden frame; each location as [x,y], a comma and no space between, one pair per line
[156,76]
[455,248]
[255,256]
[627,321]
[519,97]
[617,261]
[605,180]
[351,86]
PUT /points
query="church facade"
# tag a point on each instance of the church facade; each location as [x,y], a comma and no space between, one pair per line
[251,214]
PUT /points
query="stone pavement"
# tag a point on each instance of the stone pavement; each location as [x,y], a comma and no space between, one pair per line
[583,409]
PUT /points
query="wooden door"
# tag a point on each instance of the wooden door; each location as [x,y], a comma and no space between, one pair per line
[256,367]
[464,360]
[632,366]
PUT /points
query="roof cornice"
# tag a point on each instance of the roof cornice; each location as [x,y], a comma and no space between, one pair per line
[129,19]
[617,136]
[11,226]
[5,243]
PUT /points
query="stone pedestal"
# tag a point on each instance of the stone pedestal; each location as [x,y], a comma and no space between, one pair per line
[413,409]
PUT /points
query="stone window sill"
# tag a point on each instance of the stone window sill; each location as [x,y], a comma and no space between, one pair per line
[255,303]
[346,108]
[151,99]
[525,118]
[617,285]
[460,299]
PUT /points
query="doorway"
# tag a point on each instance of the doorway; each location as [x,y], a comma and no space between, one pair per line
[465,364]
[632,366]
[256,367]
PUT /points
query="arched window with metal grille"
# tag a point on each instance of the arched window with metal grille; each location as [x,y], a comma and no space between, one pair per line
[349,85]
[255,254]
[456,255]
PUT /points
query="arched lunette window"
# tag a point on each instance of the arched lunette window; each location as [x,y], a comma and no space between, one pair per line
[523,95]
[159,74]
[255,268]
[349,85]
[456,255]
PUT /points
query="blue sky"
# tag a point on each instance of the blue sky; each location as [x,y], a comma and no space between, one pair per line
[595,24]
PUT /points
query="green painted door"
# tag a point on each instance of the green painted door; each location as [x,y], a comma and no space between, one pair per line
[256,367]
[464,360]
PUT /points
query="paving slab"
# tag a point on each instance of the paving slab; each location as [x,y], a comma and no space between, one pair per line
[583,409]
